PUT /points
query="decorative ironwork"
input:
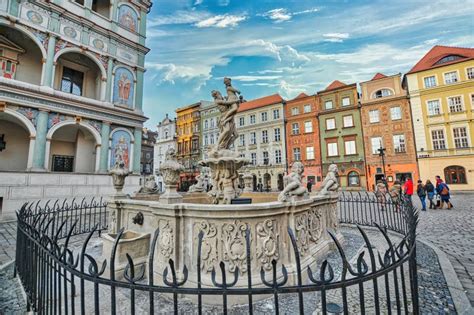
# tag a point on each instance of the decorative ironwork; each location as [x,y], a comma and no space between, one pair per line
[55,276]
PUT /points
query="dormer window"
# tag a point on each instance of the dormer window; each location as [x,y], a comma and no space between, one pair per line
[448,59]
[382,93]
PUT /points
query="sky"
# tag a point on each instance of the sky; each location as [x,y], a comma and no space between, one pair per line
[288,46]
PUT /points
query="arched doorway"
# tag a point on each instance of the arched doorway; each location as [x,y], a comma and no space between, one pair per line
[73,147]
[18,134]
[267,182]
[280,182]
[254,182]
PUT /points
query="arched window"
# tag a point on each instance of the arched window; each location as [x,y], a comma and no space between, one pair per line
[206,124]
[455,174]
[382,93]
[448,59]
[353,179]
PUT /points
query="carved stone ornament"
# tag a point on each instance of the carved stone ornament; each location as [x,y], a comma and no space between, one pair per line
[166,240]
[330,182]
[199,185]
[209,250]
[267,243]
[170,171]
[149,186]
[119,173]
[294,183]
[308,228]
[235,252]
[138,219]
[248,182]
[113,221]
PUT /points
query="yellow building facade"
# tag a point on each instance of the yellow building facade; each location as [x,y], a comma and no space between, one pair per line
[441,89]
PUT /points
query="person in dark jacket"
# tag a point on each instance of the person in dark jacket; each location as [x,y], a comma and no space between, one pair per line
[421,192]
[430,191]
[443,191]
[309,185]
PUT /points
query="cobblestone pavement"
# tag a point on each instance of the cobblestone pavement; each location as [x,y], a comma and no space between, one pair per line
[7,242]
[453,232]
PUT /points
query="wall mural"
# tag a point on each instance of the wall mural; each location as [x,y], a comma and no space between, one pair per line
[124,87]
[127,17]
[55,118]
[29,113]
[120,148]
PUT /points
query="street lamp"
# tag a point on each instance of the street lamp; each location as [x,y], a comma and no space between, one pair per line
[382,155]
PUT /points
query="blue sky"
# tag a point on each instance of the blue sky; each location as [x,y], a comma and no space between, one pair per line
[288,47]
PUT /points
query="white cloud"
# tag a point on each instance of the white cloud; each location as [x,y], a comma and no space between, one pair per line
[223,3]
[278,15]
[252,78]
[335,37]
[313,10]
[198,2]
[221,21]
[431,41]
[171,72]
[178,17]
[280,52]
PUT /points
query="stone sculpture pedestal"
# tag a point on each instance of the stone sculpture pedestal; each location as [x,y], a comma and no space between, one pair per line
[171,195]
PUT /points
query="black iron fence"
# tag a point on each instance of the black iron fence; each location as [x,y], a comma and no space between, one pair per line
[62,278]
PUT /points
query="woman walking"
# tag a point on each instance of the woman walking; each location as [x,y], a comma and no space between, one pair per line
[380,193]
[430,191]
[395,192]
[421,192]
[443,191]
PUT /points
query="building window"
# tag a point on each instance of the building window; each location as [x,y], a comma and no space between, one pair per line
[350,147]
[447,59]
[374,116]
[295,111]
[430,81]
[242,140]
[307,108]
[253,138]
[332,149]
[455,104]
[399,143]
[212,123]
[72,81]
[276,114]
[437,137]
[310,153]
[328,104]
[295,128]
[434,108]
[330,123]
[206,124]
[264,116]
[396,113]
[470,73]
[265,158]
[450,77]
[308,126]
[348,121]
[63,163]
[212,138]
[277,134]
[278,156]
[265,136]
[455,174]
[253,158]
[460,137]
[353,178]
[346,101]
[242,121]
[382,93]
[252,119]
[297,154]
[376,144]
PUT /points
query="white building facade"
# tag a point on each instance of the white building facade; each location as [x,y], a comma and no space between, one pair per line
[165,140]
[209,127]
[260,125]
[71,89]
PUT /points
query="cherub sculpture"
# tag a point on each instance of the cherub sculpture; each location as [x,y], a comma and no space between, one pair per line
[330,183]
[294,185]
[149,186]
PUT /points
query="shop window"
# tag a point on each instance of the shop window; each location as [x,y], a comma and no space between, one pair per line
[455,174]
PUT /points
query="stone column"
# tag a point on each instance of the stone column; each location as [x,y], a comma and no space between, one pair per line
[40,143]
[110,80]
[137,150]
[49,64]
[139,90]
[104,148]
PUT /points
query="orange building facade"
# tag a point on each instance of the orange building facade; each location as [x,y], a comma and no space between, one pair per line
[387,124]
[302,136]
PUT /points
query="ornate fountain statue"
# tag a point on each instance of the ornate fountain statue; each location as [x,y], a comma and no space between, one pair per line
[224,162]
[294,185]
[330,183]
[170,171]
[119,173]
[149,186]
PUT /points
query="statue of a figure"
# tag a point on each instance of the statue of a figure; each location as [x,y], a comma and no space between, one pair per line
[198,186]
[150,186]
[294,185]
[330,183]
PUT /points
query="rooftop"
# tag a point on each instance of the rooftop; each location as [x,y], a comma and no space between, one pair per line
[436,57]
[261,102]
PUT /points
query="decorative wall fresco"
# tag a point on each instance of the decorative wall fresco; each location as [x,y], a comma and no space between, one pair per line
[97,125]
[127,17]
[56,118]
[34,14]
[120,148]
[30,113]
[124,87]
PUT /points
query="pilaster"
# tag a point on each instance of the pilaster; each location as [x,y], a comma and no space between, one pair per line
[40,143]
[110,79]
[137,150]
[104,149]
[142,30]
[48,72]
[139,90]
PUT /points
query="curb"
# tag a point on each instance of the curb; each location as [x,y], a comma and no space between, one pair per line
[460,300]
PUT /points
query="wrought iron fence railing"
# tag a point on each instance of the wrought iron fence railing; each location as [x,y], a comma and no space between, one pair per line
[59,278]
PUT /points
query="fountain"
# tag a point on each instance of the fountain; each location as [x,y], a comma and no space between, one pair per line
[222,225]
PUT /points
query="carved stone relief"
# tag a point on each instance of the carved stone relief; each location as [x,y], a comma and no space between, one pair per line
[267,243]
[234,248]
[166,240]
[209,250]
[308,228]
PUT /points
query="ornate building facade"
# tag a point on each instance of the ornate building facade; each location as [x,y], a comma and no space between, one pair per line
[165,140]
[261,127]
[209,127]
[340,131]
[441,89]
[387,124]
[302,136]
[71,89]
[147,156]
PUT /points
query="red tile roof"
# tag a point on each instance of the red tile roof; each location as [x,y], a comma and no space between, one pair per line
[335,85]
[261,102]
[377,76]
[301,95]
[437,53]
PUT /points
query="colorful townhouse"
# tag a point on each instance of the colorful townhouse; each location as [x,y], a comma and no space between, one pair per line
[441,90]
[188,125]
[302,136]
[341,136]
[261,128]
[209,127]
[388,131]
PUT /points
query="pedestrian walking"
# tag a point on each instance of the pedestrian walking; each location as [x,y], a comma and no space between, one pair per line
[421,192]
[443,191]
[408,188]
[430,191]
[380,192]
[395,193]
[309,185]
